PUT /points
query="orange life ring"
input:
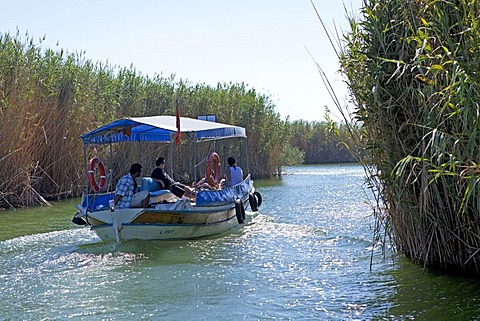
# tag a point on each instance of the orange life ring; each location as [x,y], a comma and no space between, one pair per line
[212,171]
[91,174]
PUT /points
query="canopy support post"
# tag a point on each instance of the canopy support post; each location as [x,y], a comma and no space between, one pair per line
[246,154]
[170,154]
[85,145]
[194,141]
[110,174]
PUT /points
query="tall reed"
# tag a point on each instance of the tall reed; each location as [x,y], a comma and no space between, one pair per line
[412,68]
[49,98]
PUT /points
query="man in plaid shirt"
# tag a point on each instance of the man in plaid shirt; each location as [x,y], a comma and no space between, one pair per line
[125,196]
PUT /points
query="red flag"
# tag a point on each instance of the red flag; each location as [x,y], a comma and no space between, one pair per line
[179,134]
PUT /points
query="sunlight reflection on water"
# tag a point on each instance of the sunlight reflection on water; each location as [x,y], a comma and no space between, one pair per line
[306,256]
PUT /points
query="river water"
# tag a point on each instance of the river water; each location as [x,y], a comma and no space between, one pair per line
[306,256]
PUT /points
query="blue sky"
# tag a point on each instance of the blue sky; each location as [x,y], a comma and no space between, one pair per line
[259,42]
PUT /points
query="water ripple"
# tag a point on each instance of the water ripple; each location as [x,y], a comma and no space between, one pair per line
[307,256]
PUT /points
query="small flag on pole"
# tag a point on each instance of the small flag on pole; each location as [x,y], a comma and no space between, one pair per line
[179,134]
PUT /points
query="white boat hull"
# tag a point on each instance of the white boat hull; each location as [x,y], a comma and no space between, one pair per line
[157,231]
[165,222]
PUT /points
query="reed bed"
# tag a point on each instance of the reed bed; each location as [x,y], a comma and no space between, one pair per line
[413,71]
[49,98]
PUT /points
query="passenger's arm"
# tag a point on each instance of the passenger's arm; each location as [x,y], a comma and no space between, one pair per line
[227,178]
[159,181]
[116,199]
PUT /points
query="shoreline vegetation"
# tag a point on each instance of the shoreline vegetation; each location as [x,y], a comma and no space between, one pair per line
[48,98]
[412,70]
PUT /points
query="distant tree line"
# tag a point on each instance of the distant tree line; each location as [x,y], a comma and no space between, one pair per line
[320,142]
[49,98]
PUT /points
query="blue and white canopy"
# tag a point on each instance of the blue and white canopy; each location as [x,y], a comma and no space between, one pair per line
[159,129]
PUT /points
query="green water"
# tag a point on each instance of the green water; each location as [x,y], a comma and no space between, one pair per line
[306,256]
[41,219]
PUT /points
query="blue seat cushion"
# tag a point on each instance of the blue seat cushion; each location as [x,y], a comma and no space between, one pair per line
[160,192]
[149,184]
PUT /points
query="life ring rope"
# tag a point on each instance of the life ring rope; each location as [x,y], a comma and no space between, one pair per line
[212,170]
[91,174]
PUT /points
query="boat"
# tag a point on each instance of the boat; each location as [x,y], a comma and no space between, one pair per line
[213,210]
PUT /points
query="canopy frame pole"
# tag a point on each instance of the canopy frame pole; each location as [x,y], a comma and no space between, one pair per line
[85,146]
[170,154]
[139,149]
[194,141]
[246,154]
[110,174]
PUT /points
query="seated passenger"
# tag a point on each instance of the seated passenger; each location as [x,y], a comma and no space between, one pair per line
[125,196]
[234,173]
[160,175]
